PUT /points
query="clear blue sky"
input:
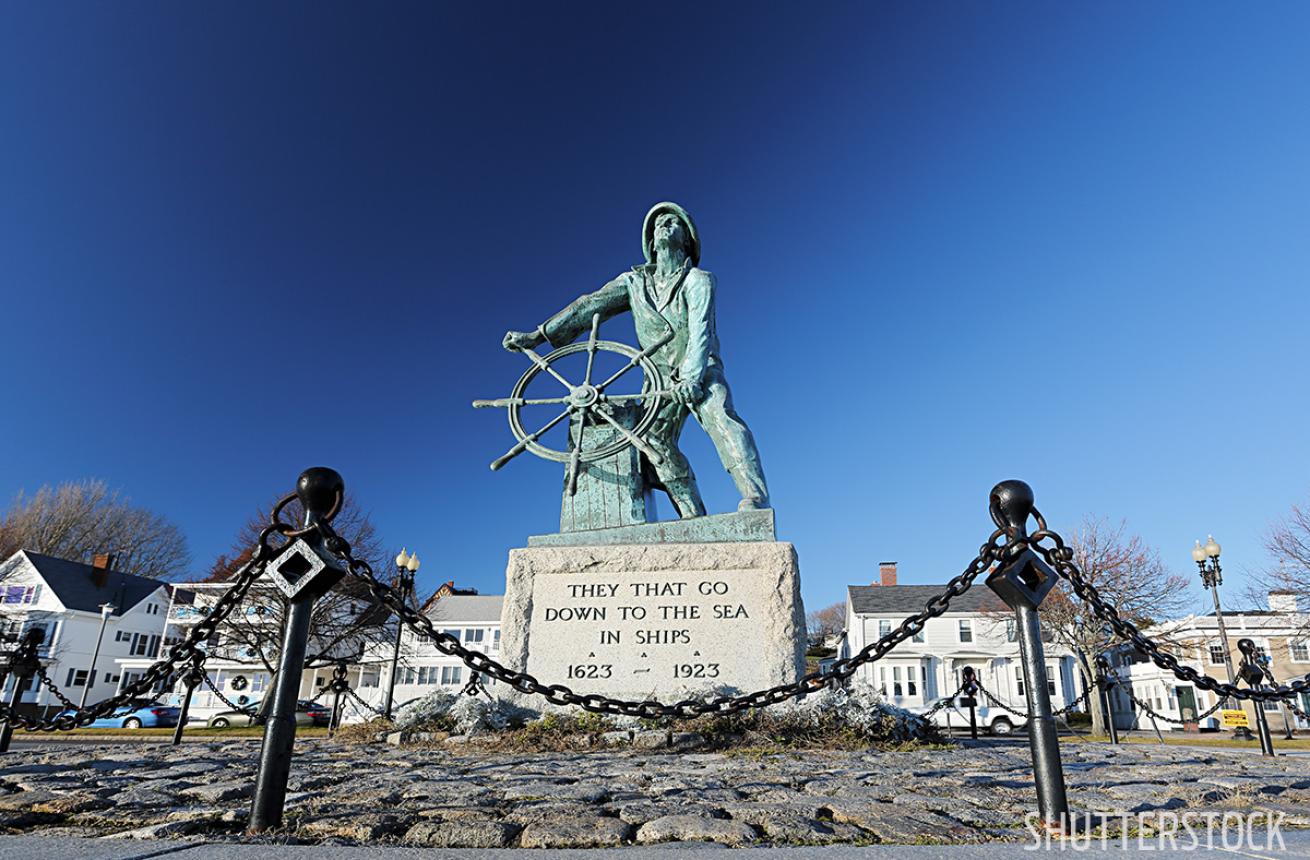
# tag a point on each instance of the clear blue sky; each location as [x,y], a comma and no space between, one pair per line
[955,243]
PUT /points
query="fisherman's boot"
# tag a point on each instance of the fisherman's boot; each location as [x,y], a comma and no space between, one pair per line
[685,497]
[749,478]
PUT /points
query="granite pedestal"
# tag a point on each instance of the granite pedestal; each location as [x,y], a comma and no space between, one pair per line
[656,620]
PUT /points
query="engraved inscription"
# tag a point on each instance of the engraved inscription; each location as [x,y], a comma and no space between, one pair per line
[658,630]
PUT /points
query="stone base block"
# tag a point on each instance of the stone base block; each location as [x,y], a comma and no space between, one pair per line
[655,620]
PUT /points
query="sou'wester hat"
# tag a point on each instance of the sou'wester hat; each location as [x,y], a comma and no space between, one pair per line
[648,231]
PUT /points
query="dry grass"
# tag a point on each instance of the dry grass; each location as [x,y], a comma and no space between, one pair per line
[758,731]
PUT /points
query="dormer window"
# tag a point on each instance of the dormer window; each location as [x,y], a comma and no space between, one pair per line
[14,595]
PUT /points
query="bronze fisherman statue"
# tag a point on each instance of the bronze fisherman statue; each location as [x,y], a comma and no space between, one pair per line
[671,295]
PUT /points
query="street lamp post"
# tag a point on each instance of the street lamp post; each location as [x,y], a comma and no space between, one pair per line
[106,610]
[1207,561]
[406,567]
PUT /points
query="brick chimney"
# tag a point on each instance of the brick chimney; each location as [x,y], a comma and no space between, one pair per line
[101,564]
[887,573]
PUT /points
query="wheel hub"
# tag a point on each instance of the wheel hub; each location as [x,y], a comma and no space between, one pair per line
[583,396]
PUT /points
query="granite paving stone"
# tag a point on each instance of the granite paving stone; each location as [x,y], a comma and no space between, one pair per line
[430,796]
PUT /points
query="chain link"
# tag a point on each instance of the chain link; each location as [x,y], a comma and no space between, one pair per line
[1069,707]
[244,709]
[1050,546]
[1156,715]
[354,697]
[560,694]
[997,703]
[932,712]
[54,691]
[160,671]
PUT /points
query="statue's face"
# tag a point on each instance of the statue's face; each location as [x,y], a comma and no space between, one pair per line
[669,232]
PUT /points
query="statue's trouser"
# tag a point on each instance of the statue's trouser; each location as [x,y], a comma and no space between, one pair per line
[731,437]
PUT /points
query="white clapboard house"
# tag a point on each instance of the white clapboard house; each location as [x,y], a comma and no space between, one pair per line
[472,618]
[978,630]
[77,606]
[243,646]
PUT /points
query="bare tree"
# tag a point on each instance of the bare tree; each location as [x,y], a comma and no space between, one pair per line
[344,623]
[76,520]
[825,622]
[1288,542]
[1130,575]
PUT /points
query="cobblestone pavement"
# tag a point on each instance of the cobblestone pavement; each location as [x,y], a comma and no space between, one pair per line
[437,798]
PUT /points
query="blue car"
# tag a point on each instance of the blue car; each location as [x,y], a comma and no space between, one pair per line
[137,714]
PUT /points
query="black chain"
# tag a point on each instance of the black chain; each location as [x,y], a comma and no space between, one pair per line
[363,704]
[339,684]
[997,703]
[1156,715]
[1067,709]
[931,712]
[475,686]
[54,691]
[559,694]
[161,670]
[1076,704]
[1060,557]
[244,709]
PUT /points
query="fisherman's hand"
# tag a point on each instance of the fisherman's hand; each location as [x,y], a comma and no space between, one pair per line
[518,340]
[687,393]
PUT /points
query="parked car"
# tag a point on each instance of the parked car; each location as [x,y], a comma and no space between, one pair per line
[320,714]
[137,714]
[993,720]
[307,714]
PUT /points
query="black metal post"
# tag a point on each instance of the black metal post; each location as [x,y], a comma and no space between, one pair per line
[1042,734]
[1262,728]
[304,571]
[15,699]
[339,687]
[182,714]
[190,680]
[1106,684]
[1287,723]
[1158,736]
[1023,581]
[970,689]
[280,730]
[23,666]
[1253,673]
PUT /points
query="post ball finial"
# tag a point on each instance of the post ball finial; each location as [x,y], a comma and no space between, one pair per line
[320,490]
[1011,503]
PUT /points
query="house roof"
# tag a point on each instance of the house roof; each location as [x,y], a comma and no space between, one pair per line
[74,584]
[465,608]
[908,599]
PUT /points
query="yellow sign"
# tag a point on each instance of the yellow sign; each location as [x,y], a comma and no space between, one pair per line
[1235,719]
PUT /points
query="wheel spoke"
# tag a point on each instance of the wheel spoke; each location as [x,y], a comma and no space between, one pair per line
[519,401]
[641,395]
[591,347]
[636,441]
[527,440]
[635,360]
[575,459]
[543,365]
